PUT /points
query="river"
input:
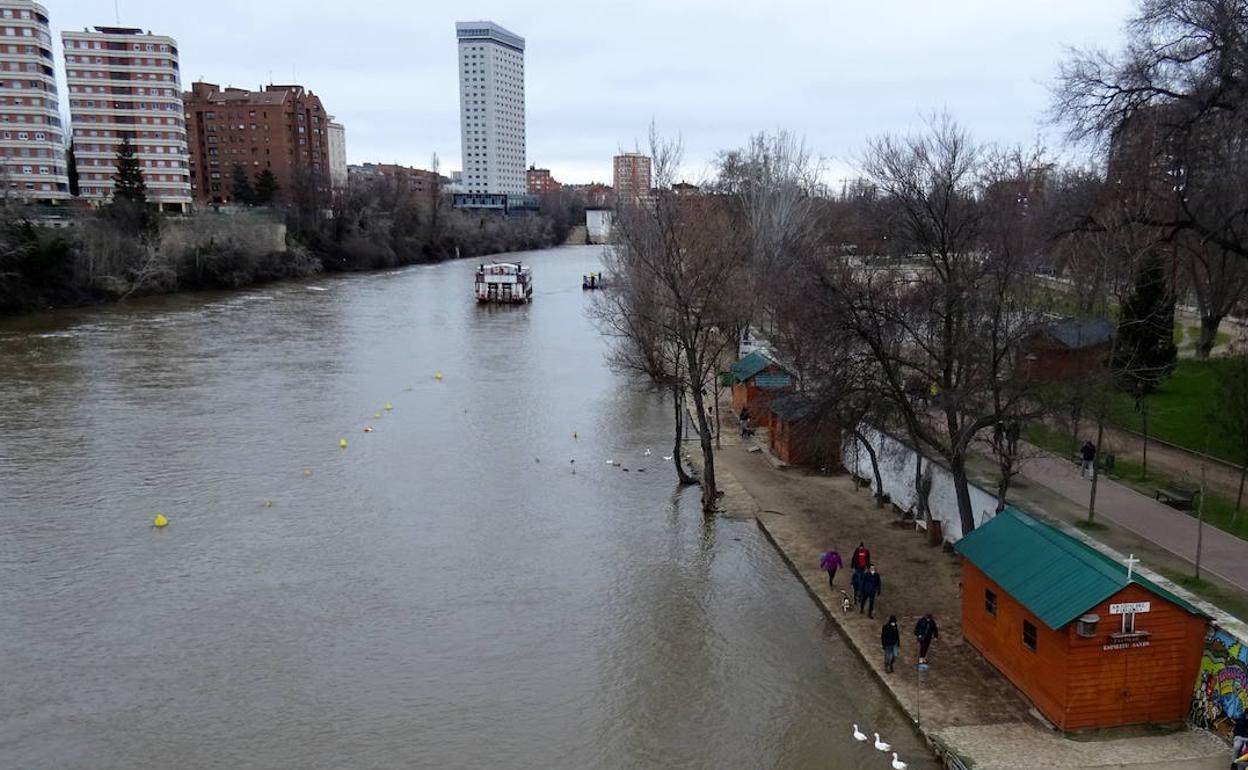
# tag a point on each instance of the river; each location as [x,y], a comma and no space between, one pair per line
[449,591]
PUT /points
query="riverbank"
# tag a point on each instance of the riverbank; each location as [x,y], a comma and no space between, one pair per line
[964,708]
[97,258]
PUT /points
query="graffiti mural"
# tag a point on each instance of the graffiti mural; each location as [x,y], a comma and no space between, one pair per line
[1222,687]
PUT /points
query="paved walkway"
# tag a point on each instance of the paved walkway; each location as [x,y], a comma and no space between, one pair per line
[1222,554]
[965,706]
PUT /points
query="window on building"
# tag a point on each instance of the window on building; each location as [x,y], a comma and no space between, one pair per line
[990,603]
[1128,623]
[1029,636]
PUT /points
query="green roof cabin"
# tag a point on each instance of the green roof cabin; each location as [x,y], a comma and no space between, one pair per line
[1090,641]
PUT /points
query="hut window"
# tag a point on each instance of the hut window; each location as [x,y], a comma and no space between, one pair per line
[990,603]
[1128,623]
[1029,636]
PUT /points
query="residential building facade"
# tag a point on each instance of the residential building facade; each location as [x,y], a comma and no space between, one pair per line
[32,140]
[632,177]
[539,181]
[491,103]
[337,154]
[415,180]
[282,128]
[124,83]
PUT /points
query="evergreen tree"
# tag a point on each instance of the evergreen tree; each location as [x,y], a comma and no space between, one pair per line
[1145,352]
[128,185]
[240,186]
[71,166]
[266,187]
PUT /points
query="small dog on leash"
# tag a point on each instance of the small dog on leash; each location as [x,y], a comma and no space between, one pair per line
[846,604]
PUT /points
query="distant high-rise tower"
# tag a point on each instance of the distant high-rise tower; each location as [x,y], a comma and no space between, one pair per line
[124,83]
[632,177]
[32,142]
[491,107]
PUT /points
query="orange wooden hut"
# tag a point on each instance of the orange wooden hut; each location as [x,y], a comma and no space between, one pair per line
[1091,643]
[755,380]
[799,436]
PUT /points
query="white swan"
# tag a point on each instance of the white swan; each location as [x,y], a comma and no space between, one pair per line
[858,736]
[668,457]
[881,745]
[646,453]
[897,763]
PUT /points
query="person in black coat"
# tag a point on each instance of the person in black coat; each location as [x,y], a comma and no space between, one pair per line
[925,631]
[890,640]
[868,588]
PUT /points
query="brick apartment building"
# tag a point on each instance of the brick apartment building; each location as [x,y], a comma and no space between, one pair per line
[124,83]
[539,181]
[283,128]
[416,180]
[632,177]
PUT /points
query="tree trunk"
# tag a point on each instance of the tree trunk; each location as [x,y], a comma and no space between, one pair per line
[1208,336]
[1144,425]
[875,468]
[957,467]
[1239,496]
[710,492]
[1096,474]
[678,442]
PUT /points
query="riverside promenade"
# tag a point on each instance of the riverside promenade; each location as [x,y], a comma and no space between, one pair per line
[963,706]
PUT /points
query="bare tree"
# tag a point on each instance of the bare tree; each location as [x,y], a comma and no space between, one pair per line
[1217,278]
[1176,93]
[690,251]
[1232,410]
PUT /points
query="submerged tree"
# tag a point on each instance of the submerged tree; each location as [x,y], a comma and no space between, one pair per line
[688,253]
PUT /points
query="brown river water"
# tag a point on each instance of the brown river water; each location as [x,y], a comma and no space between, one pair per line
[449,591]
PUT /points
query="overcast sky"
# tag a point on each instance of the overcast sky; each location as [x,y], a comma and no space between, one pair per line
[835,72]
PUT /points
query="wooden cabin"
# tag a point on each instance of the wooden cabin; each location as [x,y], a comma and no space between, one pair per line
[1091,643]
[799,436]
[756,379]
[1067,348]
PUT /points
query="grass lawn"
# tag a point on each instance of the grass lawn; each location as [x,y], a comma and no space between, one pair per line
[1181,411]
[1219,510]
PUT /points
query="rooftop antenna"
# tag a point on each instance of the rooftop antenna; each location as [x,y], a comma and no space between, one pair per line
[117,11]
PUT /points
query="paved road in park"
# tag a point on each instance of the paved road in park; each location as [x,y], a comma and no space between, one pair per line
[1222,554]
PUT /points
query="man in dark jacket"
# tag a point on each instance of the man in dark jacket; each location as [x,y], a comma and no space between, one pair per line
[925,631]
[1088,455]
[856,583]
[890,640]
[869,588]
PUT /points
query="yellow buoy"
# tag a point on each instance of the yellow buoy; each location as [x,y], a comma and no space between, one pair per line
[377,415]
[307,471]
[268,503]
[388,406]
[160,521]
[437,376]
[342,443]
[408,388]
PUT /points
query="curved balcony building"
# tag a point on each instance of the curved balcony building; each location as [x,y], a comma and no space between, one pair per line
[124,82]
[32,140]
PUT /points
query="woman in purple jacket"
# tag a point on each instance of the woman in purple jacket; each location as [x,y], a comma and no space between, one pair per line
[830,561]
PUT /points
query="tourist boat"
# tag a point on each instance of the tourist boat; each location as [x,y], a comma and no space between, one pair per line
[591,281]
[504,282]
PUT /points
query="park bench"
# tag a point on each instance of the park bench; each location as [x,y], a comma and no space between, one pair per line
[1177,494]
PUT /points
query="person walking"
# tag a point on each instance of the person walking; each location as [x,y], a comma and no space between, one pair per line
[925,631]
[830,562]
[890,640]
[1088,453]
[869,588]
[856,583]
[744,420]
[861,558]
[1239,736]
